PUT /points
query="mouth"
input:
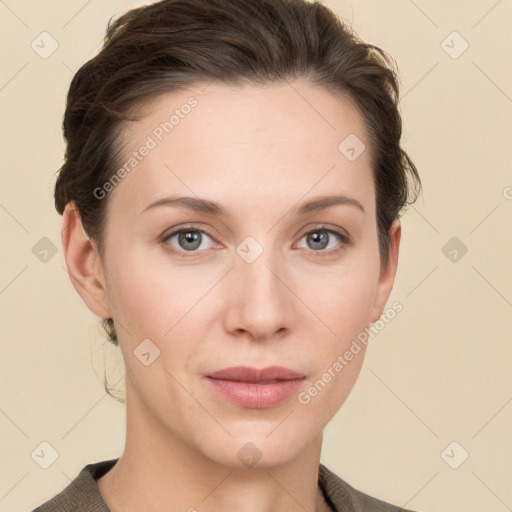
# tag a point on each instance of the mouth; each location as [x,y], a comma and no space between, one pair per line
[256,389]
[266,375]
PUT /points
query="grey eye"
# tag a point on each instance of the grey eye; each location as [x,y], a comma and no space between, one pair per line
[319,239]
[189,239]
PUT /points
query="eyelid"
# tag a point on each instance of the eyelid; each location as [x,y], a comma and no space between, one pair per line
[327,227]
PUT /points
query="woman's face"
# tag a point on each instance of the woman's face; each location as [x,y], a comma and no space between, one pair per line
[255,278]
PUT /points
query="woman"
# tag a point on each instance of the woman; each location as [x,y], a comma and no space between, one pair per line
[231,197]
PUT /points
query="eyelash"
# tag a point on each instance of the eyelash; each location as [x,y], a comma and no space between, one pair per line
[345,241]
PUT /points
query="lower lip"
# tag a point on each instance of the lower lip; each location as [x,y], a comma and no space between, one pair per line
[254,395]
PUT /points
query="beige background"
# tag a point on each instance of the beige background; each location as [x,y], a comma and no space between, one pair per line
[439,372]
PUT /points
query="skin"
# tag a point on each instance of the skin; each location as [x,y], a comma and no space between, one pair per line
[258,152]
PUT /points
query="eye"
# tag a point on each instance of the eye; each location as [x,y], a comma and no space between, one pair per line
[188,240]
[321,241]
[322,238]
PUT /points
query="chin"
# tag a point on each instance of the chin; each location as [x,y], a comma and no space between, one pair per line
[259,447]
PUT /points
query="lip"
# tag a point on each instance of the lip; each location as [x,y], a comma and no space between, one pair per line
[253,375]
[256,388]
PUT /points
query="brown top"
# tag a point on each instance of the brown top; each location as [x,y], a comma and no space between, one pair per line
[83,495]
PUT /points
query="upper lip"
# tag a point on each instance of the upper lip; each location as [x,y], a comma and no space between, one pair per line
[249,374]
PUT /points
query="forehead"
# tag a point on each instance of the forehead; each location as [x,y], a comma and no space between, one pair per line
[228,143]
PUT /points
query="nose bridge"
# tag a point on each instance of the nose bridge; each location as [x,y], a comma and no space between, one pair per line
[256,267]
[261,303]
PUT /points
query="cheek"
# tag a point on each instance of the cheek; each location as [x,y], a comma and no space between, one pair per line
[343,302]
[172,306]
[156,302]
[150,297]
[343,306]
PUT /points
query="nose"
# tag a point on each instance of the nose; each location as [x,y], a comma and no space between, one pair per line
[260,302]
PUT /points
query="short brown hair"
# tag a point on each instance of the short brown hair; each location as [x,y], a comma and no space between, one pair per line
[172,44]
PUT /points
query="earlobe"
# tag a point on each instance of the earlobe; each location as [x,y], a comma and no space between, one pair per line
[388,272]
[83,263]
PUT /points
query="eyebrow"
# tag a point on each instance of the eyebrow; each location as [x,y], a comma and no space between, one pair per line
[211,208]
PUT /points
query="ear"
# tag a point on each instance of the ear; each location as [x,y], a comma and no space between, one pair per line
[388,272]
[83,263]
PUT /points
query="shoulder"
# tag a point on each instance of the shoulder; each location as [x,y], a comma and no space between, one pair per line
[82,493]
[343,497]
